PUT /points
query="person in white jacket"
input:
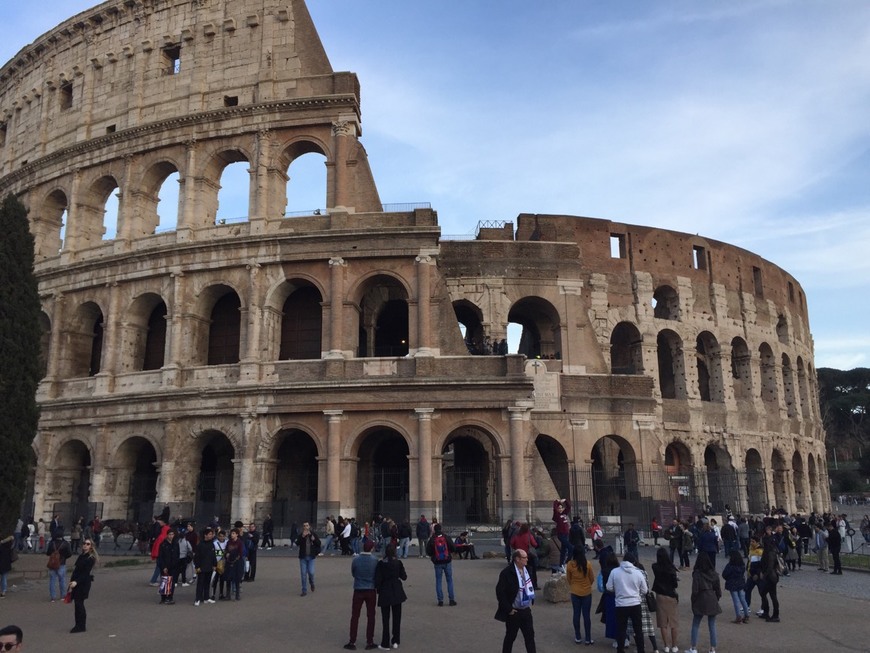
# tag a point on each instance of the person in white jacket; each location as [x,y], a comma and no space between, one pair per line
[630,588]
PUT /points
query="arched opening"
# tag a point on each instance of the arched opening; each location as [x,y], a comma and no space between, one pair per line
[741,369]
[666,303]
[626,349]
[469,479]
[225,330]
[672,377]
[721,480]
[71,481]
[709,365]
[555,481]
[301,324]
[168,203]
[382,476]
[294,494]
[614,476]
[85,341]
[788,386]
[44,343]
[111,210]
[53,213]
[801,498]
[233,196]
[756,484]
[155,338]
[214,488]
[541,328]
[803,390]
[145,331]
[681,477]
[136,472]
[306,185]
[158,201]
[470,319]
[383,319]
[768,374]
[815,484]
[782,329]
[780,479]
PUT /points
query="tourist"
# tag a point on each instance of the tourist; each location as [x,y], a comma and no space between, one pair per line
[221,579]
[80,584]
[656,531]
[821,547]
[769,579]
[645,614]
[6,551]
[674,536]
[58,552]
[581,578]
[734,575]
[252,544]
[524,540]
[235,564]
[309,549]
[167,561]
[706,592]
[562,519]
[268,529]
[631,540]
[389,574]
[665,581]
[363,571]
[404,534]
[835,545]
[204,560]
[440,550]
[11,638]
[629,589]
[516,594]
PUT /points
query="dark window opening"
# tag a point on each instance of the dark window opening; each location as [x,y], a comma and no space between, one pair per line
[96,349]
[699,257]
[391,331]
[617,246]
[231,100]
[756,280]
[155,339]
[2,134]
[110,129]
[172,60]
[666,303]
[223,337]
[66,96]
[791,292]
[301,325]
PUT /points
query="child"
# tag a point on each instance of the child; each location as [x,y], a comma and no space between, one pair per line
[735,582]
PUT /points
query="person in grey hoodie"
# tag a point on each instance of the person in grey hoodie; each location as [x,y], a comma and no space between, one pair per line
[630,587]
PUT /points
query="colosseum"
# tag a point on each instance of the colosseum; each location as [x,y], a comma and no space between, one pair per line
[351,360]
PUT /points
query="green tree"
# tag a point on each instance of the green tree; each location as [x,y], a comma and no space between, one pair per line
[844,397]
[19,358]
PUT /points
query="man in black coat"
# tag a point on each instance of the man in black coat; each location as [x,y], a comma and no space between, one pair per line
[516,595]
[204,561]
[167,561]
[835,545]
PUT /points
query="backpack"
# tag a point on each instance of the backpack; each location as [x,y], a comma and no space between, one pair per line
[54,560]
[354,530]
[442,552]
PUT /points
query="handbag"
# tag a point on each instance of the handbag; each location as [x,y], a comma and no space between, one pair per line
[68,597]
[651,603]
[165,586]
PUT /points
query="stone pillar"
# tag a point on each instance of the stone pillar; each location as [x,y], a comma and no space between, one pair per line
[186,221]
[424,313]
[55,356]
[518,501]
[243,487]
[259,209]
[74,217]
[99,462]
[332,504]
[249,371]
[105,379]
[342,132]
[336,306]
[425,503]
[174,331]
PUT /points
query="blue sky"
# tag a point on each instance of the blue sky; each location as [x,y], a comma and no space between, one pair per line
[744,122]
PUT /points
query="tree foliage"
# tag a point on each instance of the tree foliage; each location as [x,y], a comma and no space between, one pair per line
[19,358]
[845,402]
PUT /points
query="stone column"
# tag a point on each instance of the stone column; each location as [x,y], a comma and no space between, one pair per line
[186,221]
[98,463]
[243,491]
[55,355]
[259,209]
[424,314]
[336,306]
[105,379]
[174,331]
[342,132]
[332,504]
[425,503]
[518,502]
[249,370]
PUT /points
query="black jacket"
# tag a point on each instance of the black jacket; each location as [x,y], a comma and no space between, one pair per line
[389,575]
[82,576]
[506,591]
[167,557]
[205,557]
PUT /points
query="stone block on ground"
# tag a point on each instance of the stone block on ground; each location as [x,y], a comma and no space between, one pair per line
[556,589]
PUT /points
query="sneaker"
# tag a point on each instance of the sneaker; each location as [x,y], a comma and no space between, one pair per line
[760,613]
[185,584]
[577,640]
[589,642]
[383,648]
[350,646]
[196,602]
[667,649]
[153,584]
[211,600]
[395,645]
[452,602]
[691,650]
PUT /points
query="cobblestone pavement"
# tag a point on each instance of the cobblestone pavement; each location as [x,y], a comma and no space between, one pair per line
[819,612]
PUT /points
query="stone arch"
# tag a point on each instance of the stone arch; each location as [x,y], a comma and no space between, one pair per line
[721,481]
[301,152]
[152,186]
[93,220]
[70,480]
[221,341]
[214,488]
[678,458]
[815,483]
[626,349]
[708,358]
[84,341]
[788,386]
[756,483]
[470,487]
[301,333]
[666,303]
[741,369]
[383,480]
[383,320]
[294,485]
[680,470]
[614,474]
[768,374]
[470,318]
[52,215]
[145,333]
[555,476]
[782,329]
[134,467]
[211,182]
[542,327]
[672,370]
[802,500]
[780,478]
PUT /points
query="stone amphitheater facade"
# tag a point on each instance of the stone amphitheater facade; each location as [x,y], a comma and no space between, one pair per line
[353,362]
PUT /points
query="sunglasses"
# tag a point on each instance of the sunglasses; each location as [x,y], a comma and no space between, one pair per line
[87,544]
[8,646]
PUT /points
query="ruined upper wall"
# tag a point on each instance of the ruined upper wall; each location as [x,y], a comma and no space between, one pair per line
[124,64]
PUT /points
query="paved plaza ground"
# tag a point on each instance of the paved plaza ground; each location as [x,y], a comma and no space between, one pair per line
[820,612]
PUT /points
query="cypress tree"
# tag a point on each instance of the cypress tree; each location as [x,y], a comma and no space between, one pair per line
[19,359]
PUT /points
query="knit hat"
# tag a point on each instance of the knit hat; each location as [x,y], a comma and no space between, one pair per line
[368,546]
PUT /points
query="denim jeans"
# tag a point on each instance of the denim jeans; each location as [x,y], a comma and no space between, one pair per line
[404,543]
[738,597]
[582,605]
[327,544]
[567,550]
[158,572]
[355,544]
[444,570]
[711,624]
[56,576]
[306,570]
